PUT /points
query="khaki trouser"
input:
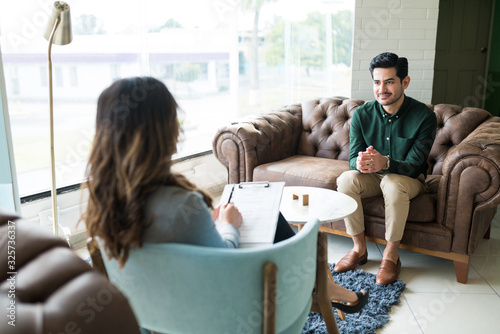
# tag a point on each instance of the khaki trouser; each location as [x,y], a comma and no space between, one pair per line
[397,190]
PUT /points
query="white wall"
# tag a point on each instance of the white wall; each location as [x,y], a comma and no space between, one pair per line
[405,27]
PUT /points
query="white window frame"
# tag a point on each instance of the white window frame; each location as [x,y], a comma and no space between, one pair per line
[9,194]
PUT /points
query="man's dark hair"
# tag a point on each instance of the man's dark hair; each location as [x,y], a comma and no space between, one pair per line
[388,60]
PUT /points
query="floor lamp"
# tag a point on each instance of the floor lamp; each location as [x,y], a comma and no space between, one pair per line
[58,32]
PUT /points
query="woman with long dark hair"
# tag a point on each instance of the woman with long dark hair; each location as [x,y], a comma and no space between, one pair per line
[134,195]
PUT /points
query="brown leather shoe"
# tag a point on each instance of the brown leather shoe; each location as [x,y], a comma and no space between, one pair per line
[388,272]
[350,261]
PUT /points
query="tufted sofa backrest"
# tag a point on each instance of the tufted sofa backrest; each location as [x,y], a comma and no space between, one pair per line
[326,123]
[454,123]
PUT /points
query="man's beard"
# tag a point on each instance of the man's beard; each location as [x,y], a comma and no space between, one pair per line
[389,102]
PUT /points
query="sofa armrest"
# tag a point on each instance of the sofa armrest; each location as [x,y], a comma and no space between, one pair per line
[242,146]
[470,182]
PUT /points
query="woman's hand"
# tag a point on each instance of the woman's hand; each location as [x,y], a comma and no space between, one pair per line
[228,213]
[215,213]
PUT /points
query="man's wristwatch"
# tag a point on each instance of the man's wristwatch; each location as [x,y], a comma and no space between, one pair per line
[388,162]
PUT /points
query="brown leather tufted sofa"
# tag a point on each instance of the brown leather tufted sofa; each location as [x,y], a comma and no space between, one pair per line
[307,144]
[53,290]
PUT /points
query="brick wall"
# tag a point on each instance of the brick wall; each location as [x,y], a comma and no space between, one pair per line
[405,27]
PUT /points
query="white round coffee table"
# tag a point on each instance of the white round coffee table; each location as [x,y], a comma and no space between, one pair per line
[325,204]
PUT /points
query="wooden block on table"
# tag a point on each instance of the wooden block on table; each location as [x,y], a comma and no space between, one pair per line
[303,198]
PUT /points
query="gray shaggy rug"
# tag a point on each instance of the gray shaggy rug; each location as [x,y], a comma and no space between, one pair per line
[372,316]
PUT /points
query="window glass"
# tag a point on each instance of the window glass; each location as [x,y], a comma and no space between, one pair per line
[222,60]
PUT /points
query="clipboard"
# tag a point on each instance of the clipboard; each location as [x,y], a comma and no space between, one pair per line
[259,204]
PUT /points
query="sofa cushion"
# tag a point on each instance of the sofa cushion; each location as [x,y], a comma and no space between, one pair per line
[302,170]
[422,208]
[430,236]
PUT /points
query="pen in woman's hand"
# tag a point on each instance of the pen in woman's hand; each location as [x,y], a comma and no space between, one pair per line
[230,195]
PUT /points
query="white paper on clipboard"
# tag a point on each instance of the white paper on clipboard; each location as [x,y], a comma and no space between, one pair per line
[259,204]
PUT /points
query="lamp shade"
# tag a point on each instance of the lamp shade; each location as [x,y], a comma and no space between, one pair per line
[63,34]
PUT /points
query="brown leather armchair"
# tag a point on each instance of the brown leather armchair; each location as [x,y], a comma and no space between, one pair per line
[307,144]
[46,288]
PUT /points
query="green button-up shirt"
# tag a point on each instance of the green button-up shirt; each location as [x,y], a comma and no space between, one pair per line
[405,137]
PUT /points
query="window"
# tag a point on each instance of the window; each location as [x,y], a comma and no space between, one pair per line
[216,61]
[73,76]
[58,76]
[14,80]
[44,79]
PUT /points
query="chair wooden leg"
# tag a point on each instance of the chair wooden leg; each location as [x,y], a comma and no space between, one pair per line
[339,312]
[321,301]
[270,276]
[96,257]
[462,271]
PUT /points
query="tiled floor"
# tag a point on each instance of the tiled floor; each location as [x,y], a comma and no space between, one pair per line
[433,301]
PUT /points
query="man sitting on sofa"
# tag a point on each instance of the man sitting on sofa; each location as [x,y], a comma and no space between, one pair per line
[390,141]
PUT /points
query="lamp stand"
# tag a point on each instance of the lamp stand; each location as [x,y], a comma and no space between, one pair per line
[52,154]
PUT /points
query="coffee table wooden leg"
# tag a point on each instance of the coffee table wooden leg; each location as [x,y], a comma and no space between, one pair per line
[321,301]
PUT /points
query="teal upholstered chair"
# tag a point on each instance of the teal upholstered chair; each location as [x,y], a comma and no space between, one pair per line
[179,288]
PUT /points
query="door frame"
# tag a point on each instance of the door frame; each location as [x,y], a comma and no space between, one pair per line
[488,54]
[487,60]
